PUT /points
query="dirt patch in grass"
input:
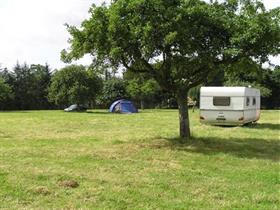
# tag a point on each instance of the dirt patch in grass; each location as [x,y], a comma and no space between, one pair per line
[42,190]
[68,184]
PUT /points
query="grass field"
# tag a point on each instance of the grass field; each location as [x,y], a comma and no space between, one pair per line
[136,162]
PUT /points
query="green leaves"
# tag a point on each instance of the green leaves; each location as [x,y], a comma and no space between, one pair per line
[5,90]
[74,85]
[138,31]
[113,89]
[140,89]
[170,38]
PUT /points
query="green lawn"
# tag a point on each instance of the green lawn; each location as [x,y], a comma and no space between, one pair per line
[136,162]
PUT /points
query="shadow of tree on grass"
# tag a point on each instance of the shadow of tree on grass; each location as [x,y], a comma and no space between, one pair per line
[98,112]
[242,148]
[265,126]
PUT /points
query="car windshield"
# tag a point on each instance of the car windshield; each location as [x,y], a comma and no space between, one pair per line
[74,106]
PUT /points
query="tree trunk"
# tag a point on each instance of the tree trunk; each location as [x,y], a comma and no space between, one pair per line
[185,133]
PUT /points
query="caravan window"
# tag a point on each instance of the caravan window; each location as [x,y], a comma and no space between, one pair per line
[254,101]
[221,101]
[247,101]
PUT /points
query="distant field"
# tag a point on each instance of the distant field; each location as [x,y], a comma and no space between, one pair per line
[136,162]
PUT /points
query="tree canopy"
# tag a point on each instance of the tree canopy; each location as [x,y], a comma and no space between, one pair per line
[5,90]
[180,43]
[141,87]
[74,85]
[28,84]
[113,89]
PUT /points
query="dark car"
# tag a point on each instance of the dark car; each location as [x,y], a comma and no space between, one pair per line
[76,108]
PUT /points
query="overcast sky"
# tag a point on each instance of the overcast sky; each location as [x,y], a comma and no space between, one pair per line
[33,31]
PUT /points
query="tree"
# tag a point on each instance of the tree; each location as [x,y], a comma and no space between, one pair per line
[29,84]
[113,89]
[180,43]
[7,103]
[247,73]
[5,92]
[271,81]
[74,85]
[141,87]
[141,90]
[41,76]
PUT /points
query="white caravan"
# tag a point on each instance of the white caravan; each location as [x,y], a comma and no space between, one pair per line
[229,105]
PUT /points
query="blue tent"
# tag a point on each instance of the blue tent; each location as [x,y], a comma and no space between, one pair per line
[123,106]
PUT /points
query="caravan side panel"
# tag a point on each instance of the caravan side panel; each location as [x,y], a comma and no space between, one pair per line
[233,114]
[219,117]
[251,105]
[236,103]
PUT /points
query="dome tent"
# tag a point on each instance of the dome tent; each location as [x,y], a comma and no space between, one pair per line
[123,106]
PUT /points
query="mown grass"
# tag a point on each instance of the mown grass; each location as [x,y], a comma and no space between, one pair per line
[136,162]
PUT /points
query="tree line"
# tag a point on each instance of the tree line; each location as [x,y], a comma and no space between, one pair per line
[37,87]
